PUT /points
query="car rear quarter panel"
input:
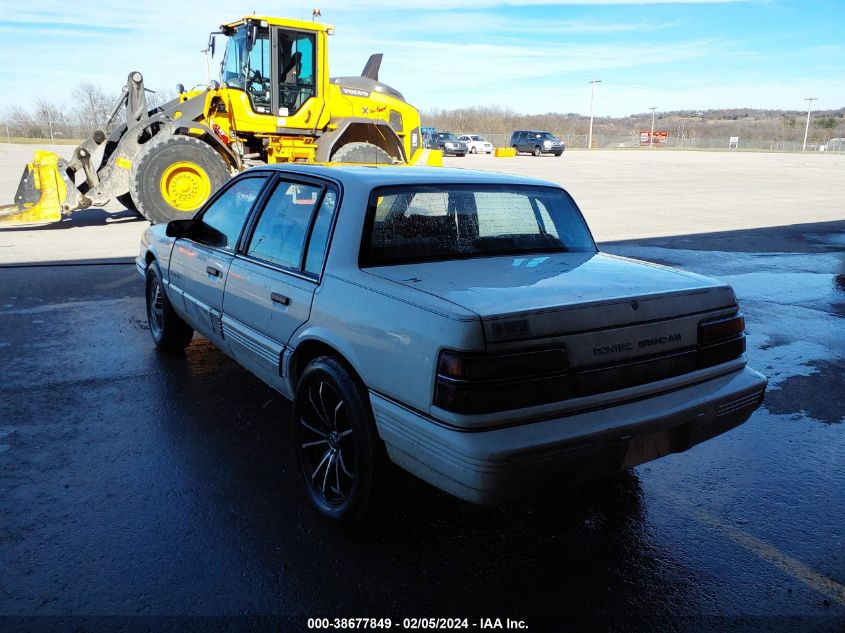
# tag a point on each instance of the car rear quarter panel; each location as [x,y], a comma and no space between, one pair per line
[390,336]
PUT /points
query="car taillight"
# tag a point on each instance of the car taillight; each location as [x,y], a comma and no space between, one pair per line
[483,383]
[721,340]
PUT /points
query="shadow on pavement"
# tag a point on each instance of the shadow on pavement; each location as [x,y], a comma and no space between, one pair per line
[817,237]
[83,218]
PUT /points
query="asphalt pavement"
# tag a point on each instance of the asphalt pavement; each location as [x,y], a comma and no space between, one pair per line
[135,485]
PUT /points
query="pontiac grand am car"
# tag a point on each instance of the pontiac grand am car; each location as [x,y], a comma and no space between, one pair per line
[462,325]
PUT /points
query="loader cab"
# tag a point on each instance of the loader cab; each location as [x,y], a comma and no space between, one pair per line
[275,65]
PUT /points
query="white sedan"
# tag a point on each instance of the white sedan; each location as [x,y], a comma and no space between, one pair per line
[476,144]
[461,325]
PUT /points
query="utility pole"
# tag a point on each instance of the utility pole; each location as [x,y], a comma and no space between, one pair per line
[809,101]
[207,52]
[592,102]
[651,136]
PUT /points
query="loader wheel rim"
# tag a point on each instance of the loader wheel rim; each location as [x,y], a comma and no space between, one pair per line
[185,185]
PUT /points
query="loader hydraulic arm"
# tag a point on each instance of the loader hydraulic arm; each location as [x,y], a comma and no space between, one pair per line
[48,189]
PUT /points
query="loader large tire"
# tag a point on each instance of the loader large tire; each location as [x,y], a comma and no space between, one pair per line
[173,177]
[362,153]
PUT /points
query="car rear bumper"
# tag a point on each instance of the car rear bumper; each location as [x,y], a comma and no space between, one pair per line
[498,465]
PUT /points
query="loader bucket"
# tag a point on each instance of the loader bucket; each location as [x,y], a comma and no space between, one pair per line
[41,193]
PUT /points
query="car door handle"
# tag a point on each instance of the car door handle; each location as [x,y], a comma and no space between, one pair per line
[214,272]
[275,297]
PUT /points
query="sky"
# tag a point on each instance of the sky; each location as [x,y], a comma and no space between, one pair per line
[532,56]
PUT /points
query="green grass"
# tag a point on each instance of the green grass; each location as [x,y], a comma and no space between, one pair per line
[39,141]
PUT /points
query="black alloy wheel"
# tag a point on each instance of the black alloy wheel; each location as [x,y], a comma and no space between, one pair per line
[341,458]
[170,333]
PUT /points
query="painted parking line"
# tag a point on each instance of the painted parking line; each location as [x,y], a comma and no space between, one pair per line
[786,563]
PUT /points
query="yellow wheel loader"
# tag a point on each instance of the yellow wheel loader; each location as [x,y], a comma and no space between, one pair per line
[274,103]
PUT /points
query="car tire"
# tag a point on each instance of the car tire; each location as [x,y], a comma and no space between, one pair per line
[472,150]
[362,153]
[341,458]
[558,154]
[187,167]
[537,151]
[516,149]
[170,333]
[460,154]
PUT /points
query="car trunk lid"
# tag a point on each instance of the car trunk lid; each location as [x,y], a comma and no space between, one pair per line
[601,307]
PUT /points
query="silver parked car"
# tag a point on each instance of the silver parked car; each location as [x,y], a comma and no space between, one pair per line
[461,325]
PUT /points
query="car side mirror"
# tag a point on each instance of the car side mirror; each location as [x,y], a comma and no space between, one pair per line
[180,228]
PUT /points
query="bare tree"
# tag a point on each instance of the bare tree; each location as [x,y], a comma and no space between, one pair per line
[156,98]
[46,111]
[93,104]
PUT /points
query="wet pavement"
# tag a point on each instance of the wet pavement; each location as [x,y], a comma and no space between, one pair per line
[139,484]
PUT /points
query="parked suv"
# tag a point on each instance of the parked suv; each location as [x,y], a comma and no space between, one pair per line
[448,143]
[536,142]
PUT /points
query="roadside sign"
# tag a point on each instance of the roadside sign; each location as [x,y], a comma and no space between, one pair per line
[658,138]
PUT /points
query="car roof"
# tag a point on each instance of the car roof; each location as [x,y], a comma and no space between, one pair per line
[396,175]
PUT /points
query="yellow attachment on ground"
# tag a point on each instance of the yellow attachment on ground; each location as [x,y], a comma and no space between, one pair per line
[185,185]
[504,152]
[41,175]
[428,157]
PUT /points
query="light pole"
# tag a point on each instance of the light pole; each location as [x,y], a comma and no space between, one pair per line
[809,101]
[651,136]
[592,102]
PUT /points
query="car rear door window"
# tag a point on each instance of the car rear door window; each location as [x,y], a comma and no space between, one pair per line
[279,236]
[320,233]
[221,223]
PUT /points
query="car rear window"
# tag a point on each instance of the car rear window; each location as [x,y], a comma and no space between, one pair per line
[427,223]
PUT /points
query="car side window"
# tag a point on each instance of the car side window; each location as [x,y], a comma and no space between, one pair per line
[319,239]
[279,236]
[221,223]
